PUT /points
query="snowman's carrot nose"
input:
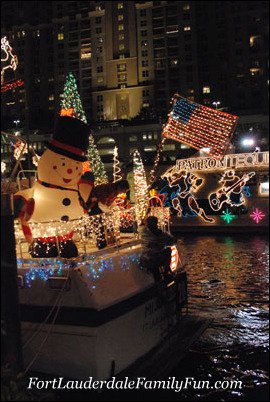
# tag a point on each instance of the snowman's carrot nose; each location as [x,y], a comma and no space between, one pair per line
[69,171]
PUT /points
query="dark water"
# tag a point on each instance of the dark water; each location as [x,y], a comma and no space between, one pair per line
[228,282]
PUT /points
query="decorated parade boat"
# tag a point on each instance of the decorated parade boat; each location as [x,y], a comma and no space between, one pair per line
[88,307]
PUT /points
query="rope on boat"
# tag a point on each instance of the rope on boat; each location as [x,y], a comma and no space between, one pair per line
[50,328]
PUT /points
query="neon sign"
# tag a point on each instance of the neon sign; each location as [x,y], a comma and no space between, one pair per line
[232,161]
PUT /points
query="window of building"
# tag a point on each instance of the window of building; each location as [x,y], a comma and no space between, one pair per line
[120,17]
[100,98]
[106,140]
[186,7]
[144,33]
[187,28]
[120,6]
[51,97]
[143,13]
[121,27]
[143,23]
[60,36]
[145,63]
[86,52]
[121,56]
[121,46]
[145,92]
[133,138]
[145,73]
[99,49]
[100,79]
[206,90]
[98,20]
[98,30]
[143,43]
[99,69]
[121,67]
[255,71]
[144,53]
[122,77]
[121,37]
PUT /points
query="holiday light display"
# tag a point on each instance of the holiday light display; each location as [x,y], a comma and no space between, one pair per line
[20,148]
[97,167]
[199,126]
[3,167]
[116,166]
[231,192]
[141,188]
[230,161]
[35,159]
[156,162]
[227,216]
[12,85]
[71,101]
[257,215]
[9,60]
[71,105]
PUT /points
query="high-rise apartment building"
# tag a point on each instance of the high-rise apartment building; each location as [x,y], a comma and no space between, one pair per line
[130,56]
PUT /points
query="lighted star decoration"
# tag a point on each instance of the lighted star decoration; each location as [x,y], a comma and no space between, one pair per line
[227,216]
[257,215]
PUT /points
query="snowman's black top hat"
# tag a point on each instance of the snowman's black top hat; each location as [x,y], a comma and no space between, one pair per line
[70,138]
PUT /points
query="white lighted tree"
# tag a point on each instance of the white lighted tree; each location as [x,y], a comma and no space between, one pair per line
[116,166]
[140,187]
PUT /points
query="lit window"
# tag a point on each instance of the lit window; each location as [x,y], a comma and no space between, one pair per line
[264,188]
[254,40]
[133,138]
[122,86]
[150,148]
[121,67]
[121,37]
[100,80]
[86,53]
[255,71]
[144,136]
[121,47]
[120,27]
[51,98]
[120,6]
[186,7]
[206,90]
[120,17]
[122,77]
[60,36]
[187,28]
[121,56]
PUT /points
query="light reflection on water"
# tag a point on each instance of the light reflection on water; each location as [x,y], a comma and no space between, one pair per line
[228,281]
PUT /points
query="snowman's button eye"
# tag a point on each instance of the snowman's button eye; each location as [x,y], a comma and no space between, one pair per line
[66,201]
[77,168]
[54,167]
[63,164]
[64,218]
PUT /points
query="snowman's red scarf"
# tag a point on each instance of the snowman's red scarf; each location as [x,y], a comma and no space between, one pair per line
[85,205]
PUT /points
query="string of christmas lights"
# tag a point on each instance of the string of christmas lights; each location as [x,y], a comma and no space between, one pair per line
[12,85]
[97,167]
[141,187]
[117,176]
[152,175]
[71,99]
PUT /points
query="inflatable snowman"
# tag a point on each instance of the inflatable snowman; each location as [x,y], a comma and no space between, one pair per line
[59,196]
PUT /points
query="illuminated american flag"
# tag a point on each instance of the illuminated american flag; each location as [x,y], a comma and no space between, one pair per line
[200,127]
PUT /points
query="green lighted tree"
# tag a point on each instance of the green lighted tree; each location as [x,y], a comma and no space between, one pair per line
[96,165]
[71,104]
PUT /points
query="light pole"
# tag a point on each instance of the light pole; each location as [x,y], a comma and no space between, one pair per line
[216,104]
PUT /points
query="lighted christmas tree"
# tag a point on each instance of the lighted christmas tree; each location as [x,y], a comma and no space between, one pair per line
[141,188]
[96,164]
[71,104]
[116,166]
